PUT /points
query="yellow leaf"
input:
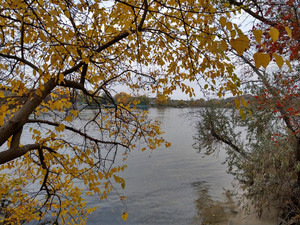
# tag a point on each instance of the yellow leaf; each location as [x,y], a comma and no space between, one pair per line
[123,198]
[243,114]
[69,118]
[240,44]
[67,14]
[244,103]
[61,78]
[229,25]
[1,120]
[60,127]
[279,60]
[289,31]
[261,59]
[123,184]
[117,179]
[289,64]
[237,103]
[100,175]
[223,21]
[274,34]
[124,216]
[257,34]
[2,94]
[74,113]
[44,171]
[223,46]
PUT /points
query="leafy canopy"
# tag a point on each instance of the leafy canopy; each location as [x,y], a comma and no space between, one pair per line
[265,157]
[53,51]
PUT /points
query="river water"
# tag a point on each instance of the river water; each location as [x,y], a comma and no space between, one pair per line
[177,185]
[167,186]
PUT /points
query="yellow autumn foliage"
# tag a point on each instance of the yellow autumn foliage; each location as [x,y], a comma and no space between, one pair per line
[56,54]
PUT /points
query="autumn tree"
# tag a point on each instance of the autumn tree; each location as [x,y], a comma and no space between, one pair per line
[123,98]
[51,52]
[267,162]
[143,100]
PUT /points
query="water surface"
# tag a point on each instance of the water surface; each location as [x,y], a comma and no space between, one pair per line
[162,186]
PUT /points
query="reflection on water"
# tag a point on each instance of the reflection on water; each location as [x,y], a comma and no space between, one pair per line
[211,212]
[162,186]
[158,183]
[177,186]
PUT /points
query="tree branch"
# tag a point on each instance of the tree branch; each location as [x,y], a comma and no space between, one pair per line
[83,73]
[17,152]
[144,15]
[271,90]
[15,142]
[19,119]
[225,140]
[76,131]
[250,12]
[20,60]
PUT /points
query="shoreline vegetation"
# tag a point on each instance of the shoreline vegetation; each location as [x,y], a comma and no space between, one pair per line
[144,102]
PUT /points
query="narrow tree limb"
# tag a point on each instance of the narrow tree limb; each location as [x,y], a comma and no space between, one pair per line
[271,90]
[73,84]
[42,160]
[15,142]
[22,39]
[20,117]
[20,60]
[117,38]
[144,15]
[250,12]
[77,131]
[83,73]
[73,69]
[226,141]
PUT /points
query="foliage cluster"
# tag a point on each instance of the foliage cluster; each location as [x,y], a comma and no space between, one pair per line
[51,51]
[261,156]
[263,145]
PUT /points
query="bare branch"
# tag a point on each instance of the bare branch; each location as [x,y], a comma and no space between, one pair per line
[20,60]
[85,135]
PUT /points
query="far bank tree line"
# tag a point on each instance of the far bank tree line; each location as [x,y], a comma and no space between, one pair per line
[143,100]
